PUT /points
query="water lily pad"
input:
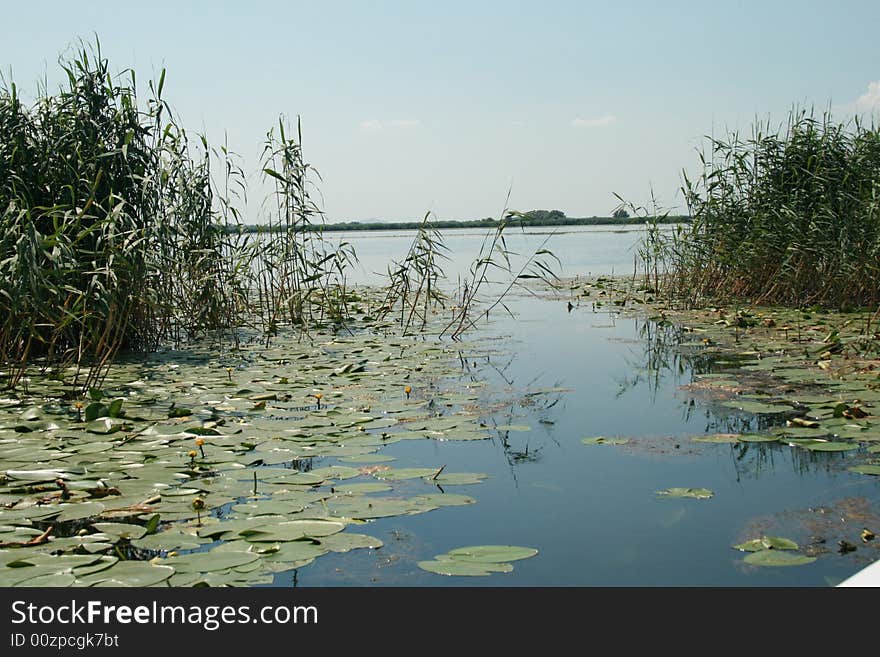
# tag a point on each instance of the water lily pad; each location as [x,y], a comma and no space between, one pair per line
[367,458]
[758,408]
[398,474]
[106,425]
[360,488]
[336,472]
[120,529]
[777,558]
[55,580]
[767,543]
[79,511]
[865,469]
[461,435]
[758,438]
[293,530]
[445,499]
[492,553]
[202,562]
[721,438]
[128,573]
[464,568]
[602,440]
[345,541]
[168,540]
[694,493]
[366,508]
[456,478]
[821,446]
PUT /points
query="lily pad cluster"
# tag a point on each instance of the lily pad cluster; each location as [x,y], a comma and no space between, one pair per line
[191,468]
[773,551]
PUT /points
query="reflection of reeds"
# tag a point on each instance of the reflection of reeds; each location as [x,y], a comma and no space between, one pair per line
[787,216]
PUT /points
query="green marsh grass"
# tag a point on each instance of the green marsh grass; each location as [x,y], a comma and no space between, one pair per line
[786,216]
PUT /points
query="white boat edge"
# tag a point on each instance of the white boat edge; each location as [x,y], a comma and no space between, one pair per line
[867,576]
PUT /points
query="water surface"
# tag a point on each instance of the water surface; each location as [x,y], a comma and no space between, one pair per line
[592,511]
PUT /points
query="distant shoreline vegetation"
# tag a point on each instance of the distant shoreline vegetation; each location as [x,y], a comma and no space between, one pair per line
[535,218]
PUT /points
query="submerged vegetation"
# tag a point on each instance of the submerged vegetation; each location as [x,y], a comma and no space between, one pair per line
[789,216]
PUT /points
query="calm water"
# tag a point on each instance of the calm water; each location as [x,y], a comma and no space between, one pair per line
[592,510]
[581,249]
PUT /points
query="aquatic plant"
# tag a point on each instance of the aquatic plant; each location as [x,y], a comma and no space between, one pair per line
[785,216]
[108,238]
[413,286]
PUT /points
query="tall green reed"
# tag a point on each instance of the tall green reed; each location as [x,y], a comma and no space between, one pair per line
[788,215]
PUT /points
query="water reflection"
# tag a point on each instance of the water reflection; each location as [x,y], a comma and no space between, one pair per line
[657,359]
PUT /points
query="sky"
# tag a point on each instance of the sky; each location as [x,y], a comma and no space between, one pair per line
[410,107]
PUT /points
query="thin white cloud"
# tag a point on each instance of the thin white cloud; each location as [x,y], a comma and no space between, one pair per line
[869,101]
[374,125]
[600,122]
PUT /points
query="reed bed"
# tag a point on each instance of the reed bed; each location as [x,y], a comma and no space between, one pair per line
[107,235]
[115,234]
[786,216]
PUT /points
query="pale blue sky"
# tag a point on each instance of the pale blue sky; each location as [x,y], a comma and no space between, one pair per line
[416,106]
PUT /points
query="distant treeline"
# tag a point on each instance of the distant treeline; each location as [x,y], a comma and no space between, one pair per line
[533,218]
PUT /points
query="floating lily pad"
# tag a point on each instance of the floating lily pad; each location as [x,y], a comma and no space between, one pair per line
[201,562]
[694,493]
[767,543]
[758,408]
[722,438]
[445,499]
[360,488]
[865,469]
[398,474]
[120,529]
[758,438]
[78,511]
[820,446]
[464,568]
[293,530]
[458,435]
[345,541]
[367,458]
[56,580]
[128,573]
[168,540]
[335,472]
[777,558]
[366,508]
[456,478]
[602,440]
[492,553]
